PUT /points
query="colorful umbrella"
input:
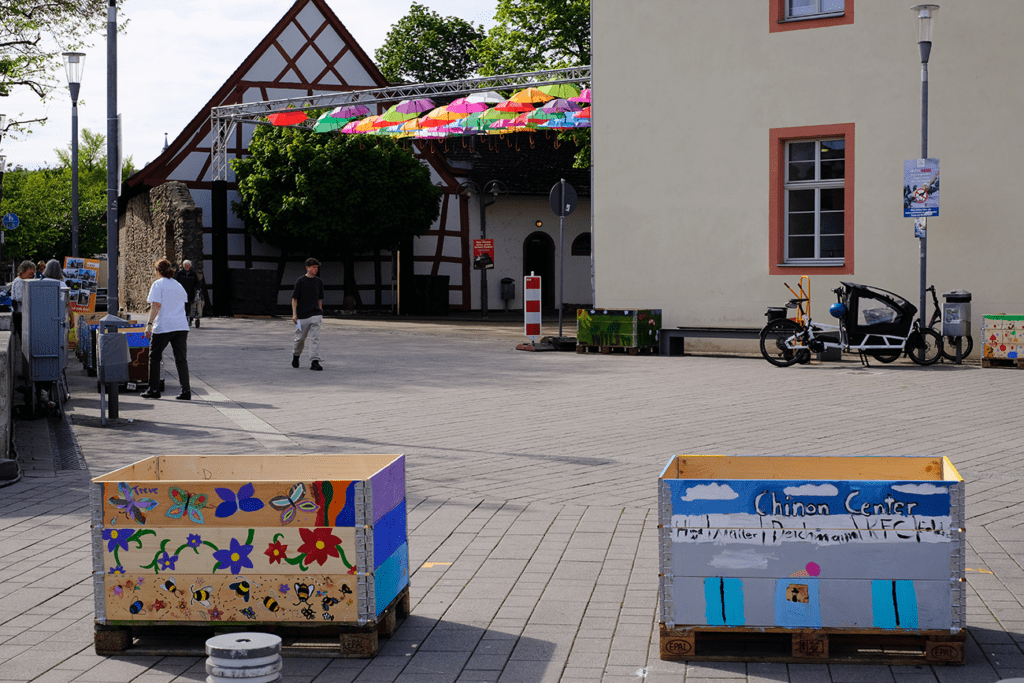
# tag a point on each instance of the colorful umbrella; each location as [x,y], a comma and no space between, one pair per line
[510,105]
[583,97]
[287,118]
[366,125]
[566,123]
[441,117]
[417,106]
[562,90]
[531,95]
[350,127]
[493,114]
[392,114]
[327,123]
[560,106]
[487,97]
[349,112]
[583,113]
[465,106]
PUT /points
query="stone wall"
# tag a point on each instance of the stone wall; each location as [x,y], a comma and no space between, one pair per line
[161,223]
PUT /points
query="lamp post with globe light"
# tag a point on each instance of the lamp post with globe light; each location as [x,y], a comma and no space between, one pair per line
[74,64]
[925,17]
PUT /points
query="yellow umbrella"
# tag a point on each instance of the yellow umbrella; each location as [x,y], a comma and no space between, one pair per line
[531,95]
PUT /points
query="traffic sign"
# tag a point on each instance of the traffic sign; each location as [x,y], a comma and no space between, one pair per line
[11,221]
[562,205]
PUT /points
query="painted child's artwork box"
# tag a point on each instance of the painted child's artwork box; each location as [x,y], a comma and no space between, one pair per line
[871,545]
[250,540]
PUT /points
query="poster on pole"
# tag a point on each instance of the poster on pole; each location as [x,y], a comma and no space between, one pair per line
[81,275]
[483,254]
[920,188]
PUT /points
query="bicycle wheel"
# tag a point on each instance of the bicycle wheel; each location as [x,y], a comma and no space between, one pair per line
[778,343]
[949,347]
[886,356]
[926,349]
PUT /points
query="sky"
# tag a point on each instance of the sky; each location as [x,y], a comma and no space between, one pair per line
[173,57]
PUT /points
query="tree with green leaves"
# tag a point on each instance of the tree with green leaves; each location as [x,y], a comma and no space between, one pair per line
[333,195]
[34,33]
[424,47]
[534,35]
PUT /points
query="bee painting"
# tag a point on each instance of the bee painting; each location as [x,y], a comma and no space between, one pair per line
[302,592]
[242,589]
[328,602]
[202,596]
[136,607]
[292,503]
[169,586]
[271,604]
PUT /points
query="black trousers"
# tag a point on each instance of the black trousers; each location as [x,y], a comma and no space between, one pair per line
[179,347]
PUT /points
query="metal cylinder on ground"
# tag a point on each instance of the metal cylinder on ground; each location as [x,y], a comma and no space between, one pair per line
[248,657]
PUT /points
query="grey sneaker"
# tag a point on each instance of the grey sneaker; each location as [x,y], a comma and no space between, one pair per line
[315,365]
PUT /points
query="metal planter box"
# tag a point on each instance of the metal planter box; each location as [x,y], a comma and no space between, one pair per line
[287,540]
[815,545]
[618,328]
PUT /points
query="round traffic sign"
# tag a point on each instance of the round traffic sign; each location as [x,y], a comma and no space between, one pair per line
[11,221]
[562,206]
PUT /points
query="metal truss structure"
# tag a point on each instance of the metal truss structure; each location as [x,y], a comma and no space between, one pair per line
[224,119]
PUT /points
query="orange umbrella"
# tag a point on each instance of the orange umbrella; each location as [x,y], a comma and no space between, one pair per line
[531,95]
[368,124]
[441,117]
[287,118]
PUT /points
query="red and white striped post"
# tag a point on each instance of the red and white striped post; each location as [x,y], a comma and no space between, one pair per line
[531,306]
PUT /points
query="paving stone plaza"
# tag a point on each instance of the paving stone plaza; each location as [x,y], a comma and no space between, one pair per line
[531,488]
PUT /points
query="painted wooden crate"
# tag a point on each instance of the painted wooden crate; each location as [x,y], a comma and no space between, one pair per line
[294,540]
[872,545]
[618,328]
[1003,336]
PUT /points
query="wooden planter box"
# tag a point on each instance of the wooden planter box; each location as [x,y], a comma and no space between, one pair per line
[618,328]
[816,547]
[285,540]
[1003,337]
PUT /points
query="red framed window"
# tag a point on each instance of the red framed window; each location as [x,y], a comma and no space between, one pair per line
[811,199]
[793,15]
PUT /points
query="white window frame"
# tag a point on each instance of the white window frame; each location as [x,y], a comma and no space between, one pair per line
[817,185]
[816,14]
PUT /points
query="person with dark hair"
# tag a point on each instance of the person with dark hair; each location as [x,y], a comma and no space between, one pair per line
[168,300]
[26,271]
[308,314]
[40,267]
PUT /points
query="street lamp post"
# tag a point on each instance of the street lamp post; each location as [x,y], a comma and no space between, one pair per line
[74,63]
[3,168]
[925,16]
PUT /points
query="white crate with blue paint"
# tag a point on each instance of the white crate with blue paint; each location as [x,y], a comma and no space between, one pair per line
[827,543]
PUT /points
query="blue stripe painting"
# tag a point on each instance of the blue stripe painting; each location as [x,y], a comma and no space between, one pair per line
[893,604]
[723,601]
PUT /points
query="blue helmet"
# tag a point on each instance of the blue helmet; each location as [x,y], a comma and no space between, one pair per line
[838,309]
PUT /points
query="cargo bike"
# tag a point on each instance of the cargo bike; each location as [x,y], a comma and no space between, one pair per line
[873,322]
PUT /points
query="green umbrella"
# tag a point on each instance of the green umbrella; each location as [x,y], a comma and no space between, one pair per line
[326,123]
[560,90]
[392,114]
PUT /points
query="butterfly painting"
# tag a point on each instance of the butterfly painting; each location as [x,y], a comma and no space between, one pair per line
[233,502]
[133,508]
[184,502]
[292,503]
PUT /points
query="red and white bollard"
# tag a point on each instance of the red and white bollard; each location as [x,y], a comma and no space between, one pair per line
[531,306]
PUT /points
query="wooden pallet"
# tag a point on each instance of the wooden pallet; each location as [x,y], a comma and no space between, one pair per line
[829,646]
[631,350]
[1003,363]
[179,639]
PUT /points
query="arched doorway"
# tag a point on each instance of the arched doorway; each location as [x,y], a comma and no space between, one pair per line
[539,258]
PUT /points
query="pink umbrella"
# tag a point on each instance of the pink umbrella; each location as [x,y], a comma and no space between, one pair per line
[351,111]
[583,96]
[415,106]
[350,127]
[464,106]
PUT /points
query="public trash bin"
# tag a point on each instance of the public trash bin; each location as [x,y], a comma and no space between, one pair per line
[956,314]
[508,290]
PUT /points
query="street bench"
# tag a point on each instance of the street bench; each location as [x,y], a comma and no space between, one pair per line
[671,340]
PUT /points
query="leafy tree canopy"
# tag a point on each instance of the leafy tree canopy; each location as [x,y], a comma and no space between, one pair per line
[34,33]
[533,35]
[424,47]
[332,195]
[42,200]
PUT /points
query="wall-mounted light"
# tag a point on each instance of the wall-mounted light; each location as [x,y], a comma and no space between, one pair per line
[539,224]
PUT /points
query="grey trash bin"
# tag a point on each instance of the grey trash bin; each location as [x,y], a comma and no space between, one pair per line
[956,314]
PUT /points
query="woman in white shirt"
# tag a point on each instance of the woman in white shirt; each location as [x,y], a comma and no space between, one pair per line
[26,271]
[168,299]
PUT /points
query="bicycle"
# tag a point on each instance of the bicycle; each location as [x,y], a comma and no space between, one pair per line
[872,321]
[948,342]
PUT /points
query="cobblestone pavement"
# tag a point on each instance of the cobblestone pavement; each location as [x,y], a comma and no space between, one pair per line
[531,491]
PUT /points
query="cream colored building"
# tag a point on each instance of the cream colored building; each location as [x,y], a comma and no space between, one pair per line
[701,104]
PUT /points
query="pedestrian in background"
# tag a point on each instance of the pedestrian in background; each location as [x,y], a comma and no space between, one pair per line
[167,325]
[308,314]
[188,279]
[40,267]
[26,271]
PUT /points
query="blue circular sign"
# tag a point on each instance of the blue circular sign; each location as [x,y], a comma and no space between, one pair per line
[11,221]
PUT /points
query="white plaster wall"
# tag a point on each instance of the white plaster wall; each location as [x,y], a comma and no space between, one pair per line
[681,196]
[509,222]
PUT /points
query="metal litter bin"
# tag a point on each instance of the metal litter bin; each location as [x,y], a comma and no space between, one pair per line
[956,314]
[508,290]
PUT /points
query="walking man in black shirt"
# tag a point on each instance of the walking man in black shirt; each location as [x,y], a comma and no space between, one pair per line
[308,314]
